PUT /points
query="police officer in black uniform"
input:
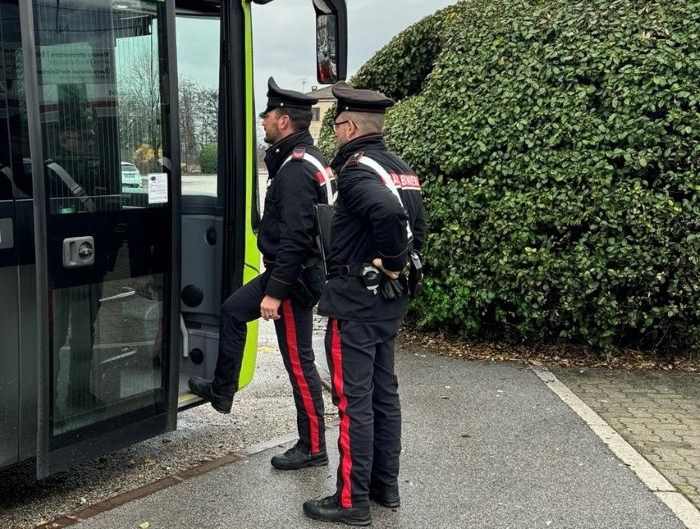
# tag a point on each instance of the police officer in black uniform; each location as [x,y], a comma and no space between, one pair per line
[377,228]
[292,282]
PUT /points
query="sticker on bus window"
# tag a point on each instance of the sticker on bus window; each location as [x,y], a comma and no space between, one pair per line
[157,188]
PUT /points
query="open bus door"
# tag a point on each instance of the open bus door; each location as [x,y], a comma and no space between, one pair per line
[99,80]
[124,314]
[219,210]
[219,251]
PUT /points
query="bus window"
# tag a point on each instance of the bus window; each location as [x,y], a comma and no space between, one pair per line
[202,208]
[198,98]
[103,122]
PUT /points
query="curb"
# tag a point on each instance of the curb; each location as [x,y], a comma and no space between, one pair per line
[681,506]
[141,492]
[109,504]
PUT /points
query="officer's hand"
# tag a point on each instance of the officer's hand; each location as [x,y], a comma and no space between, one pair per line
[378,264]
[269,308]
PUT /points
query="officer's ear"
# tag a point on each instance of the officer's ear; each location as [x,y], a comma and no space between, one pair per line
[284,121]
[354,128]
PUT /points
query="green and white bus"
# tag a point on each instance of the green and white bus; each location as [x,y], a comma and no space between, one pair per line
[127,212]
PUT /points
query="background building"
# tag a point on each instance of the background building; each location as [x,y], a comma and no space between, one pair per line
[325,101]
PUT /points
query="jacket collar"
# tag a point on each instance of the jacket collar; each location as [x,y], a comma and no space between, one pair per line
[277,153]
[370,142]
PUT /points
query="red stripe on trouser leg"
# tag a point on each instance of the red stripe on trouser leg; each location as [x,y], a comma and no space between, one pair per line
[344,438]
[290,331]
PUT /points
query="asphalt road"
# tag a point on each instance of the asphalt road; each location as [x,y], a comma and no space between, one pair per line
[264,411]
[485,446]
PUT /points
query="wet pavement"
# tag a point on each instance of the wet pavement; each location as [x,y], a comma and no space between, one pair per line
[485,446]
[264,411]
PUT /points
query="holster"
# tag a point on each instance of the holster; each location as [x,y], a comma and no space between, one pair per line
[307,290]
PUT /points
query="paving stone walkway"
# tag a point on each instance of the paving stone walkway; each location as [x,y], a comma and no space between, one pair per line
[656,412]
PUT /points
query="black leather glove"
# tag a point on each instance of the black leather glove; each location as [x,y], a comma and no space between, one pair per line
[391,289]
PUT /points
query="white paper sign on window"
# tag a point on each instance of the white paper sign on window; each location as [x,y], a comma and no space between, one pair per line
[157,188]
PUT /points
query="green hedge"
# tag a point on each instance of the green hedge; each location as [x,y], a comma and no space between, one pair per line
[209,158]
[559,145]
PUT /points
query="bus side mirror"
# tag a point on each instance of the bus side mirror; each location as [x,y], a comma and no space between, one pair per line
[331,41]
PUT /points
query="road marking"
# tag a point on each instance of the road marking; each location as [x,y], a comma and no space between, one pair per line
[645,471]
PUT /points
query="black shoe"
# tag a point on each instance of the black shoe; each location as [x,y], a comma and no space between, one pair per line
[386,496]
[328,510]
[203,388]
[298,457]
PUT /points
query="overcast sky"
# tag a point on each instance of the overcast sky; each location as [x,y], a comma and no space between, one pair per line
[284,37]
[285,40]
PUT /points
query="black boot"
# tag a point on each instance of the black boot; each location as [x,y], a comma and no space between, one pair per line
[203,388]
[298,457]
[385,495]
[328,510]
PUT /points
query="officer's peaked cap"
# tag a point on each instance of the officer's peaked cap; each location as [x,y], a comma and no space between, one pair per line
[358,100]
[279,98]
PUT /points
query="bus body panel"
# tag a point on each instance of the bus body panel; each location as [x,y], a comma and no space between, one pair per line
[252,254]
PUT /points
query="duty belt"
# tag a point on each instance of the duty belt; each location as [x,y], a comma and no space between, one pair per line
[369,275]
[347,270]
[309,263]
[373,279]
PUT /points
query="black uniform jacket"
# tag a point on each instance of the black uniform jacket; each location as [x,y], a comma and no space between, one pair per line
[286,237]
[370,222]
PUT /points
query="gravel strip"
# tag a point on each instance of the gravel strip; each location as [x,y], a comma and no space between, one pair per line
[264,411]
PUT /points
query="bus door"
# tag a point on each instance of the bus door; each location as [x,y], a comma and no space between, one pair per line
[9,319]
[219,182]
[198,29]
[219,251]
[102,130]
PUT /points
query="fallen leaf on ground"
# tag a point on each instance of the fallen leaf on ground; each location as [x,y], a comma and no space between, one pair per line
[543,355]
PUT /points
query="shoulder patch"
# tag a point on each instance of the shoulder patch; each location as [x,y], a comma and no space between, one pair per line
[299,153]
[354,160]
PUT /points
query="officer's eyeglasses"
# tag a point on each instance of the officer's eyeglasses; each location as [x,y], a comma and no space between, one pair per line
[337,124]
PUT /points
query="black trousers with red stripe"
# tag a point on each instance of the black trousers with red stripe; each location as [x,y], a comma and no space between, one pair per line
[365,389]
[294,335]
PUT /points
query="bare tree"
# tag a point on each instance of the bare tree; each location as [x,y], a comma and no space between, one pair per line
[207,111]
[140,117]
[140,106]
[189,147]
